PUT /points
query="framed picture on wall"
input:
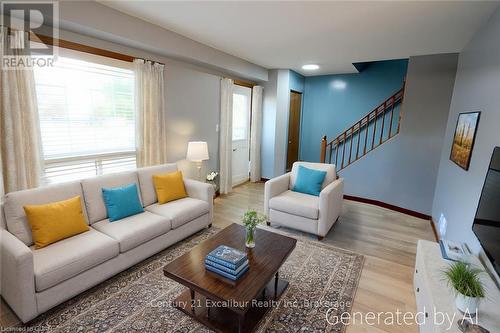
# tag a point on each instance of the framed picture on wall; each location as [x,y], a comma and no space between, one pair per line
[463,140]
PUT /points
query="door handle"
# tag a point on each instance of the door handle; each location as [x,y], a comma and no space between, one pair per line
[234,149]
[289,142]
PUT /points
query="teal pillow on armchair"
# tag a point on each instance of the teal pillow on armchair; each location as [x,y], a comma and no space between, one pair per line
[309,181]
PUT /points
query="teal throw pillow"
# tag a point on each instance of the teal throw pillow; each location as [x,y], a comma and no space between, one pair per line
[122,202]
[309,181]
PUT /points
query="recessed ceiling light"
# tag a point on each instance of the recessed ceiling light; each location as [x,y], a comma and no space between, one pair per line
[310,67]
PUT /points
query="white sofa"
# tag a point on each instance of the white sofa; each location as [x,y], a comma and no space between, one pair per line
[33,281]
[304,212]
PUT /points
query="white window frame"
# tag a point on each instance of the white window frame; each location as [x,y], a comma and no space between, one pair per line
[60,166]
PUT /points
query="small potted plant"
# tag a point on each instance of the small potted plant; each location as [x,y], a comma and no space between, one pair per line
[469,288]
[250,220]
[211,179]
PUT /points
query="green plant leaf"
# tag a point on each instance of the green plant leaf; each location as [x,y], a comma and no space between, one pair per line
[465,279]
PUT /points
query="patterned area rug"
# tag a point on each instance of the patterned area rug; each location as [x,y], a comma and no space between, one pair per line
[323,281]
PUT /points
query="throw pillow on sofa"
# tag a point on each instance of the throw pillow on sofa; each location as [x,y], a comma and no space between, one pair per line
[169,187]
[309,181]
[55,221]
[122,202]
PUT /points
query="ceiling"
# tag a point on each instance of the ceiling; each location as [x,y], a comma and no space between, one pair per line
[331,34]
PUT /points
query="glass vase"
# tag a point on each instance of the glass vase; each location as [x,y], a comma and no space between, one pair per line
[250,238]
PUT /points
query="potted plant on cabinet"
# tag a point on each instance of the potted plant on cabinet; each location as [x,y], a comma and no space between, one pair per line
[466,282]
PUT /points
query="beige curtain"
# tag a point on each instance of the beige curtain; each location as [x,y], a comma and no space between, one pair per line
[20,141]
[151,135]
[2,187]
[256,133]
[226,135]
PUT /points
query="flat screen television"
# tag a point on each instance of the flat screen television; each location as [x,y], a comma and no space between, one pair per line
[487,221]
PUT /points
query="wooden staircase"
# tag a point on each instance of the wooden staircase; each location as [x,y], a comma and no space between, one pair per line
[365,135]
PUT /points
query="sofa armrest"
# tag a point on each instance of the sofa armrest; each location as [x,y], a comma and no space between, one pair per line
[330,205]
[203,191]
[17,276]
[274,187]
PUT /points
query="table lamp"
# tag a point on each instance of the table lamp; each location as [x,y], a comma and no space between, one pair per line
[197,152]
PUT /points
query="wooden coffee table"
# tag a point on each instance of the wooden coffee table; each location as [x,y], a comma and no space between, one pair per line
[224,305]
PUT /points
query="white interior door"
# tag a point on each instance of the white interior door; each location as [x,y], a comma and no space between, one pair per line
[242,98]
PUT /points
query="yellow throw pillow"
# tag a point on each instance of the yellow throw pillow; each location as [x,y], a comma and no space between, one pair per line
[55,221]
[169,187]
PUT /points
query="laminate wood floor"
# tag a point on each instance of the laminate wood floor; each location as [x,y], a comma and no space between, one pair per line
[387,239]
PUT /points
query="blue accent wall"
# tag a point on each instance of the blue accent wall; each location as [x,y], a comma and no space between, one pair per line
[332,103]
[297,81]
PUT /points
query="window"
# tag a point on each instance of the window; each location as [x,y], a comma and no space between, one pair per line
[241,112]
[87,121]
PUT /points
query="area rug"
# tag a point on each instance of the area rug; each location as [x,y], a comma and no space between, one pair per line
[323,281]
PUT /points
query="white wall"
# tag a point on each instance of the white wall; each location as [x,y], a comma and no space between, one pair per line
[193,109]
[403,171]
[281,130]
[276,104]
[476,88]
[94,19]
[269,102]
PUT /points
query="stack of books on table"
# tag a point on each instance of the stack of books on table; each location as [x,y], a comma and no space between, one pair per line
[227,262]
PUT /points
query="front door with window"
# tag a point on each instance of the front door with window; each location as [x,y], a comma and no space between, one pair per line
[242,97]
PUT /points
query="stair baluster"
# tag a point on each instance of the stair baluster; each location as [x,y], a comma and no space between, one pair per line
[330,151]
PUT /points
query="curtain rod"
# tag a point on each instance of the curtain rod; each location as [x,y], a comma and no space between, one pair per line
[86,48]
[81,47]
[247,84]
[153,61]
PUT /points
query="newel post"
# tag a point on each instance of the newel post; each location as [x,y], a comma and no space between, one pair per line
[323,150]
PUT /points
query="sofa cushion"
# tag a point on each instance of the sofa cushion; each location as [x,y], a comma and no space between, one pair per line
[147,187]
[55,221]
[15,216]
[134,230]
[296,203]
[71,256]
[92,191]
[331,175]
[180,211]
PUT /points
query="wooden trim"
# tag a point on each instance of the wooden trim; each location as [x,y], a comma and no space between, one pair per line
[244,83]
[82,48]
[389,206]
[322,155]
[434,230]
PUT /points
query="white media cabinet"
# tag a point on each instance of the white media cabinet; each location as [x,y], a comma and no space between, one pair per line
[434,296]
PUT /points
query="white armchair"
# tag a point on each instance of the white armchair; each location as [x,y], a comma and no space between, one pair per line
[304,212]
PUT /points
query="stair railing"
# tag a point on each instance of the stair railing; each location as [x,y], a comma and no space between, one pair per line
[365,135]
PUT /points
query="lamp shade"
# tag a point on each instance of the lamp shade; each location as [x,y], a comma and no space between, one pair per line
[197,151]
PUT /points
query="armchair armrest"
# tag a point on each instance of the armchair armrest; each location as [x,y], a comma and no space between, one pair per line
[17,276]
[330,205]
[203,191]
[273,187]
